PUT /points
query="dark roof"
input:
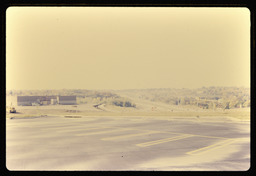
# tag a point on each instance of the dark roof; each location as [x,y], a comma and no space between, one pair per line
[63,98]
[27,98]
[34,98]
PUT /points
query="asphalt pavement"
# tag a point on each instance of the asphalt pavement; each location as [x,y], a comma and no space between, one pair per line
[127,143]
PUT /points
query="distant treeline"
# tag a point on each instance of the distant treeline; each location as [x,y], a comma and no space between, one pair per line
[205,97]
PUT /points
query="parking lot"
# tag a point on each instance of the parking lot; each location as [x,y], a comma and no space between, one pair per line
[126,143]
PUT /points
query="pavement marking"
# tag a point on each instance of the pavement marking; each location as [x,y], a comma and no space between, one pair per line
[102,132]
[58,127]
[81,129]
[196,135]
[211,147]
[217,137]
[164,140]
[72,127]
[129,135]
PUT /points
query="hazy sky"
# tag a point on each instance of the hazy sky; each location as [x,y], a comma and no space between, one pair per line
[126,47]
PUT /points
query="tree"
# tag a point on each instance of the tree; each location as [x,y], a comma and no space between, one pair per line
[226,105]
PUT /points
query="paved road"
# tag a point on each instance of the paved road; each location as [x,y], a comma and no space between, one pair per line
[126,143]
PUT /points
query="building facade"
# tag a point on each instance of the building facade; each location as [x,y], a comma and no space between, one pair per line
[45,100]
[28,100]
[66,100]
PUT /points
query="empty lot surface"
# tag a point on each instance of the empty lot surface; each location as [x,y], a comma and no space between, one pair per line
[127,143]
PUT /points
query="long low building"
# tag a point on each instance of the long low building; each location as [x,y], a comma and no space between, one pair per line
[45,100]
[28,100]
[66,100]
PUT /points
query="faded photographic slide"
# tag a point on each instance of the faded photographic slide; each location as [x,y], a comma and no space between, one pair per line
[128,89]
